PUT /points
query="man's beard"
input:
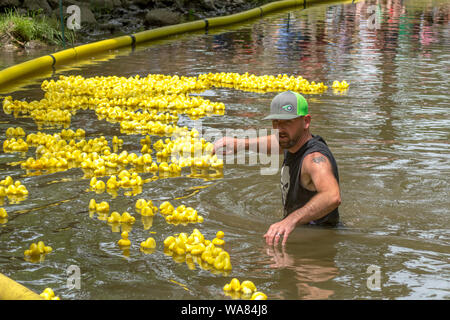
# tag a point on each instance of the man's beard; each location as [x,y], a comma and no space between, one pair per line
[287,144]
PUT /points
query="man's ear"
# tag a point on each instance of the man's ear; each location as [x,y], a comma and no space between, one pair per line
[307,120]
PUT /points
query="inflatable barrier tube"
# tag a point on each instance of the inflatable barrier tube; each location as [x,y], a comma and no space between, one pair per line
[47,63]
[11,290]
[153,34]
[234,18]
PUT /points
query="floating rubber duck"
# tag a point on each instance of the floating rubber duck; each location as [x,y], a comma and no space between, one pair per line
[114,217]
[150,243]
[92,205]
[247,287]
[222,261]
[127,218]
[112,183]
[147,211]
[235,285]
[48,294]
[97,185]
[124,242]
[3,213]
[102,207]
[258,296]
[218,240]
[117,141]
[166,208]
[37,249]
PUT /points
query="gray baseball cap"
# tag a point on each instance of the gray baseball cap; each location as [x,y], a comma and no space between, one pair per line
[287,105]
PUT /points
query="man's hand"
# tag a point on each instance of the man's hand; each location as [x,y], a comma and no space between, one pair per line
[281,229]
[228,144]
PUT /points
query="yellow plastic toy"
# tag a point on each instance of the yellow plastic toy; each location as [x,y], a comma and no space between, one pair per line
[245,290]
[114,217]
[124,242]
[258,296]
[48,294]
[150,243]
[218,240]
[207,255]
[3,213]
[37,249]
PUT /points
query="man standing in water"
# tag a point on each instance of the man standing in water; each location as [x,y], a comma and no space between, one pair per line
[309,175]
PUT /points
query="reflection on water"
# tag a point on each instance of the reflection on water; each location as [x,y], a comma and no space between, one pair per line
[388,131]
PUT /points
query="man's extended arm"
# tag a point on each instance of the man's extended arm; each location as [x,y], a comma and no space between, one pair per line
[318,169]
[232,144]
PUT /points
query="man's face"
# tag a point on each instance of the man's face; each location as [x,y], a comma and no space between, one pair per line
[290,131]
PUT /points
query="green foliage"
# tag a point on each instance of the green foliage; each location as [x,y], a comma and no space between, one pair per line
[33,26]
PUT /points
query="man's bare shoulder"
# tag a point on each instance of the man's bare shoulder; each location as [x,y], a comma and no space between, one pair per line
[316,158]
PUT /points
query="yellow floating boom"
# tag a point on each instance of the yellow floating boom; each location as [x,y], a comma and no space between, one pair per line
[11,290]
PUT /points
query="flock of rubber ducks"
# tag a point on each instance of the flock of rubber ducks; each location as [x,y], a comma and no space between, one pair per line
[37,252]
[149,105]
[340,85]
[194,246]
[15,145]
[266,83]
[9,187]
[244,290]
[95,157]
[181,214]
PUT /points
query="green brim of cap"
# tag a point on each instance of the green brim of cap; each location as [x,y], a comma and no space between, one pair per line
[282,117]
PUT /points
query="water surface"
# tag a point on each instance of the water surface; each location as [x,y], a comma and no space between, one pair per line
[389,133]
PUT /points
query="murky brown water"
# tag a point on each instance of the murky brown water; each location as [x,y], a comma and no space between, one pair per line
[389,134]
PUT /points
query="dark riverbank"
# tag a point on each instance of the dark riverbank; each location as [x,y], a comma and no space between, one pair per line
[105,18]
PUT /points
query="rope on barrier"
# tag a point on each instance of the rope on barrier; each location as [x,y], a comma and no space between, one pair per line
[54,60]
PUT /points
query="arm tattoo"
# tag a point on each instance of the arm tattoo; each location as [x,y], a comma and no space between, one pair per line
[319,159]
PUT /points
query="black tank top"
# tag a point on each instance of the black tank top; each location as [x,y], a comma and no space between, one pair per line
[294,196]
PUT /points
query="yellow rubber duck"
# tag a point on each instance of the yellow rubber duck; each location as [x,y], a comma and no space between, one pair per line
[147,211]
[235,285]
[102,207]
[127,218]
[112,183]
[48,294]
[169,241]
[218,240]
[114,217]
[3,213]
[222,261]
[258,296]
[166,208]
[150,243]
[140,203]
[92,205]
[247,287]
[124,242]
